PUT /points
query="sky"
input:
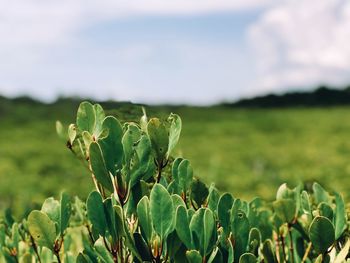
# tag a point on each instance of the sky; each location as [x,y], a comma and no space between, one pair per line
[162,51]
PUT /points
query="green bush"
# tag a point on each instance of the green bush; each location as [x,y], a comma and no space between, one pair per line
[148,207]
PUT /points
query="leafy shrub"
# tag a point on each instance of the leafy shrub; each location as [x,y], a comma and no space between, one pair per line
[148,207]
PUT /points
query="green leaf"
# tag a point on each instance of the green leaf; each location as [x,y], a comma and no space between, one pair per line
[173,244]
[215,256]
[175,169]
[268,252]
[144,120]
[305,203]
[130,243]
[340,216]
[15,236]
[224,211]
[202,228]
[142,248]
[254,240]
[102,251]
[72,132]
[285,209]
[193,256]
[99,168]
[131,136]
[42,229]
[182,227]
[140,189]
[213,198]
[158,135]
[284,192]
[89,118]
[199,193]
[209,226]
[248,258]
[120,224]
[2,234]
[174,188]
[111,145]
[325,210]
[174,132]
[81,258]
[111,219]
[320,194]
[230,256]
[185,175]
[65,212]
[9,220]
[322,259]
[124,231]
[99,116]
[322,234]
[162,210]
[95,212]
[239,204]
[177,201]
[27,258]
[51,207]
[60,132]
[145,219]
[87,138]
[240,232]
[142,163]
[86,117]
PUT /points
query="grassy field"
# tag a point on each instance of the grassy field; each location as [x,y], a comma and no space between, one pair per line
[245,151]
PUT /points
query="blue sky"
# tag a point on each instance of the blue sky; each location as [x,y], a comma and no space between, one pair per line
[172,52]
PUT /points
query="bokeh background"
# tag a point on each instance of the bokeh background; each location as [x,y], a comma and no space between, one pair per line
[212,62]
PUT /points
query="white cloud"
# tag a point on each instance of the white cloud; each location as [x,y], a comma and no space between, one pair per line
[297,43]
[31,31]
[38,22]
[302,43]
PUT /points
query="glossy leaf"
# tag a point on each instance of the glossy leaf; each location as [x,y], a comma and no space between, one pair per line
[65,211]
[322,234]
[224,211]
[42,229]
[174,131]
[158,135]
[202,227]
[240,232]
[130,137]
[98,166]
[111,145]
[162,210]
[185,175]
[268,252]
[199,193]
[193,256]
[182,227]
[285,209]
[102,252]
[248,258]
[95,212]
[320,194]
[145,218]
[340,216]
[51,207]
[86,117]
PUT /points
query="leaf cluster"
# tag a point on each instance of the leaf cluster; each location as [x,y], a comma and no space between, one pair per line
[149,207]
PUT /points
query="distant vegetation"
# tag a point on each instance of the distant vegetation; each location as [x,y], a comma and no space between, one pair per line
[247,151]
[323,96]
[148,206]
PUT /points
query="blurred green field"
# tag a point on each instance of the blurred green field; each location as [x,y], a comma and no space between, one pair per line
[248,152]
